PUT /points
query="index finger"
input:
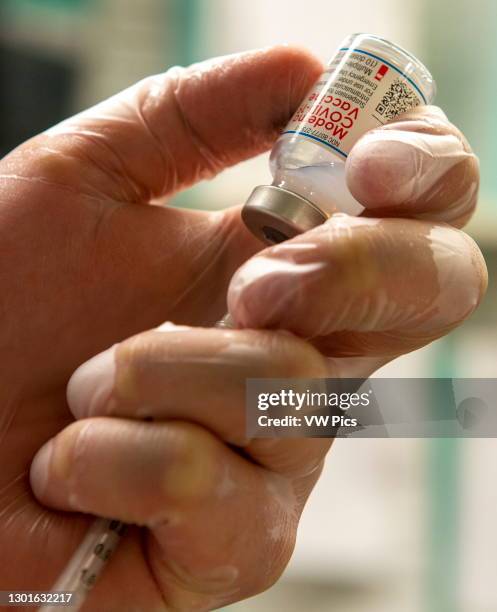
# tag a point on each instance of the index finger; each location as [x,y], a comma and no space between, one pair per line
[170,130]
[418,166]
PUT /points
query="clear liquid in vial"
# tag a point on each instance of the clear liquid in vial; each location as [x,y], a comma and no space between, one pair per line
[313,172]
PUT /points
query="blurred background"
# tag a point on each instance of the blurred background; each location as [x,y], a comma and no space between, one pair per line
[394,525]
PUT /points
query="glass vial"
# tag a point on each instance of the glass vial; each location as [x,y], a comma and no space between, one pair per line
[368,82]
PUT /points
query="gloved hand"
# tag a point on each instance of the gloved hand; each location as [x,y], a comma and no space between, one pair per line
[371,288]
[216,523]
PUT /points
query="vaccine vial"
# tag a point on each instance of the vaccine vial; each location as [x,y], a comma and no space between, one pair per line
[368,82]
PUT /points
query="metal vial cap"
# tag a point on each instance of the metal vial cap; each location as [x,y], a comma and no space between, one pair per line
[274,214]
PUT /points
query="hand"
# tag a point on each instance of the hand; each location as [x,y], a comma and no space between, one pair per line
[221,524]
[366,290]
[85,263]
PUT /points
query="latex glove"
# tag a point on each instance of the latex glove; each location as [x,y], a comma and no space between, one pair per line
[222,525]
[85,263]
[219,526]
[380,285]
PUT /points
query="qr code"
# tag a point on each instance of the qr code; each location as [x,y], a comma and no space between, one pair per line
[398,99]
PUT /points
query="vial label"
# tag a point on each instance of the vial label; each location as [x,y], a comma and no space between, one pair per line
[359,91]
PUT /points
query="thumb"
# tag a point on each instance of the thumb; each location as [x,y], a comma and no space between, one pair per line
[173,129]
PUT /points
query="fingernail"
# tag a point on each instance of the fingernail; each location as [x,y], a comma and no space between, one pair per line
[265,287]
[261,267]
[91,384]
[40,468]
[402,165]
[378,168]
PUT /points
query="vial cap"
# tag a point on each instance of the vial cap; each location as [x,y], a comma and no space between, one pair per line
[274,214]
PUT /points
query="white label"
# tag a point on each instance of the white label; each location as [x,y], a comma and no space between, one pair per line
[359,91]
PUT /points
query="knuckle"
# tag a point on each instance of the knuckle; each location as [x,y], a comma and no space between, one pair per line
[132,358]
[149,101]
[181,88]
[293,357]
[279,354]
[353,252]
[191,464]
[70,453]
[187,87]
[137,349]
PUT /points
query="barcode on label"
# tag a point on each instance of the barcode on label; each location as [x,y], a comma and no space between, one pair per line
[398,99]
